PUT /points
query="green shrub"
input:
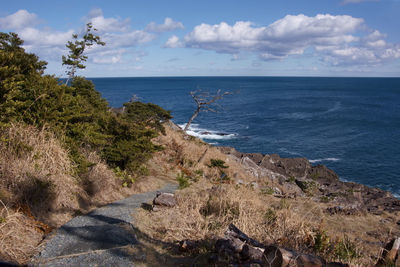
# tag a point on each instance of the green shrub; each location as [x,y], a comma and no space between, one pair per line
[217,163]
[126,179]
[183,180]
[346,250]
[321,242]
[76,113]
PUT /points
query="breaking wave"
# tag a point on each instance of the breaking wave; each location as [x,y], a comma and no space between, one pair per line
[321,160]
[195,130]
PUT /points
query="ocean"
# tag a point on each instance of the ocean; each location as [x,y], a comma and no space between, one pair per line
[351,125]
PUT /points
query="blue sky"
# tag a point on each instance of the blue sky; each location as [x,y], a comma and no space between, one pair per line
[222,38]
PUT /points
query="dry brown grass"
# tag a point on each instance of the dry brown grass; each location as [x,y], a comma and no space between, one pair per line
[203,211]
[19,236]
[183,152]
[39,192]
[37,172]
[301,224]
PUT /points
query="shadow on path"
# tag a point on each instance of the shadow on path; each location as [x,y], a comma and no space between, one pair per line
[106,237]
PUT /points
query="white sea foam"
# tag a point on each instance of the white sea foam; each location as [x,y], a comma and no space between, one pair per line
[321,160]
[396,195]
[195,130]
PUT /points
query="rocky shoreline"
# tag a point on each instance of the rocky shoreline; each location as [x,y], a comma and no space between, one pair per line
[298,177]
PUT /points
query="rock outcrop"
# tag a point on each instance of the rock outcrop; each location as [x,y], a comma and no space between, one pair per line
[298,177]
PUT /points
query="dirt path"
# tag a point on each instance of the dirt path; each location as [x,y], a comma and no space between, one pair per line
[103,237]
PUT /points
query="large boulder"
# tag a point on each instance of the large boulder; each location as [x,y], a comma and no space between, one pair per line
[165,199]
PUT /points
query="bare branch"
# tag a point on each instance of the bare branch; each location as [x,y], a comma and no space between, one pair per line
[206,102]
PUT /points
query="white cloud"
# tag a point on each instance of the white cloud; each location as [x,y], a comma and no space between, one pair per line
[19,19]
[103,24]
[36,37]
[168,25]
[336,38]
[173,42]
[108,57]
[121,40]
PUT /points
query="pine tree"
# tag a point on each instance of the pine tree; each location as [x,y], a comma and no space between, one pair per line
[74,60]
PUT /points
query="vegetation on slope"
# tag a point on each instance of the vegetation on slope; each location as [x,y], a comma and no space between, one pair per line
[62,148]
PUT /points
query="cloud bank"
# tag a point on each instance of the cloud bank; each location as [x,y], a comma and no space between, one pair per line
[340,40]
[121,40]
[168,25]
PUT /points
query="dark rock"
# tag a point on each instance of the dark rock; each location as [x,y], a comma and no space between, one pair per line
[208,133]
[188,245]
[298,177]
[252,253]
[164,199]
[343,210]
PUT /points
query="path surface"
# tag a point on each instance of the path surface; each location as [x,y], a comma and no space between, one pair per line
[103,237]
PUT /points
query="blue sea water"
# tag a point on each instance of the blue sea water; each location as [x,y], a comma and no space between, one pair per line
[352,125]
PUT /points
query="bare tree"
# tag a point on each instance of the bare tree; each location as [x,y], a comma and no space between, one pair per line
[206,102]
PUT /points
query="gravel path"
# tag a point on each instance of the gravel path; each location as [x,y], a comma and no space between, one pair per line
[103,237]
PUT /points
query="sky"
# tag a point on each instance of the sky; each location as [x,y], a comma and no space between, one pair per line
[358,38]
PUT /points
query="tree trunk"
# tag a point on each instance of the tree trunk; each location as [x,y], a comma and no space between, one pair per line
[71,75]
[192,118]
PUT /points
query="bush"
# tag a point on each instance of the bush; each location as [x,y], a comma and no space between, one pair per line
[217,163]
[183,180]
[77,113]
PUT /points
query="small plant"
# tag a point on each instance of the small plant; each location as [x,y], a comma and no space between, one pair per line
[198,174]
[224,177]
[2,220]
[270,216]
[267,190]
[143,170]
[127,179]
[292,179]
[183,180]
[321,242]
[324,199]
[346,250]
[220,165]
[217,163]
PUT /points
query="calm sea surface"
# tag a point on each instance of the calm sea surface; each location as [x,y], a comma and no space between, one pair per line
[352,125]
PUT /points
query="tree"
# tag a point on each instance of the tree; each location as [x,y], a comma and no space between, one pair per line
[205,101]
[74,60]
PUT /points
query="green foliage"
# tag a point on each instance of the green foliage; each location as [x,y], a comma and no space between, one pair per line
[321,242]
[346,250]
[183,180]
[267,190]
[224,176]
[217,163]
[292,179]
[324,199]
[199,173]
[74,60]
[126,179]
[147,114]
[76,113]
[340,249]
